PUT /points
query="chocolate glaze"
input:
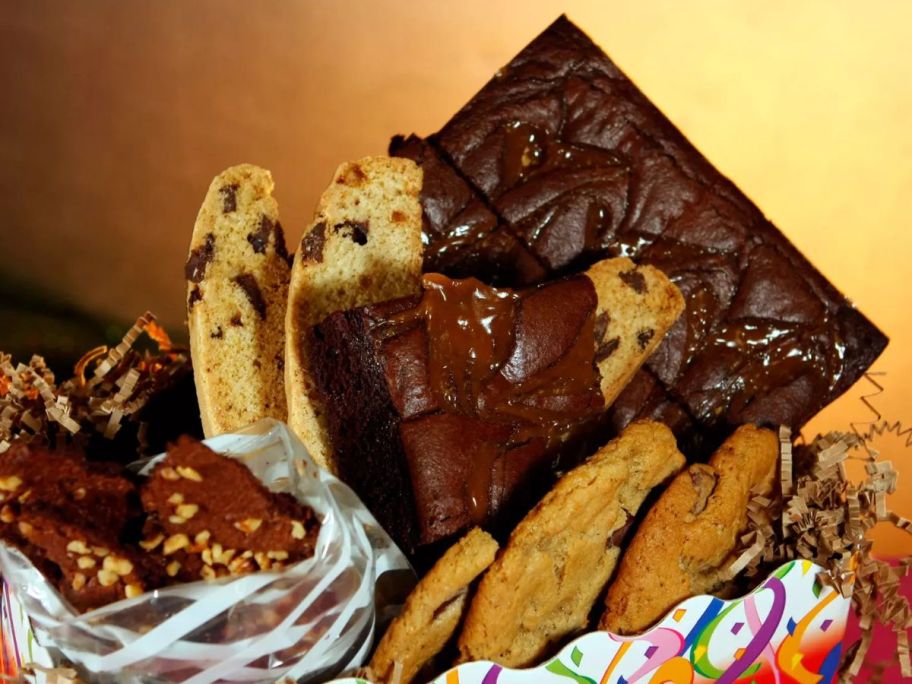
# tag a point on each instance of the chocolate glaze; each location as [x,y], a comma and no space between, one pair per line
[472,389]
[564,154]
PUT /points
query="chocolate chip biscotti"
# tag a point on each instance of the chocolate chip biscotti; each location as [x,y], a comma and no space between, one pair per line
[363,247]
[237,287]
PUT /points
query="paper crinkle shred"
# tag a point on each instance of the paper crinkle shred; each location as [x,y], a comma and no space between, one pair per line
[108,387]
[824,518]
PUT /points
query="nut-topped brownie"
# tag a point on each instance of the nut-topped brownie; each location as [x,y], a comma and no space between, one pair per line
[573,161]
[209,516]
[447,410]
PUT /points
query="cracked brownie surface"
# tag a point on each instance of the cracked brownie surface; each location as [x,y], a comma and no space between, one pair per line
[564,154]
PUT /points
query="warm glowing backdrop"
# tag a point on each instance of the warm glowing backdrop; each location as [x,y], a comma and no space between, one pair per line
[115,115]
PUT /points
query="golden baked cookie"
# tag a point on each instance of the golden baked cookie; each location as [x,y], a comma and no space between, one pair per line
[559,557]
[237,288]
[688,538]
[433,610]
[363,247]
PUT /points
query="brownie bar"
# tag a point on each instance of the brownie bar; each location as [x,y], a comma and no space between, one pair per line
[464,237]
[446,409]
[572,159]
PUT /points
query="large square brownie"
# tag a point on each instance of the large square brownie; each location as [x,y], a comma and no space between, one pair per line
[560,161]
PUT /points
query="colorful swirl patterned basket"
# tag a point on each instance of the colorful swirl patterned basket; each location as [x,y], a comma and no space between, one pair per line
[789,629]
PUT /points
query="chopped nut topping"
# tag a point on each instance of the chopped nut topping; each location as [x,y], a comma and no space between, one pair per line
[223,557]
[297,529]
[169,474]
[207,573]
[106,578]
[202,537]
[7,515]
[85,562]
[77,546]
[187,511]
[120,566]
[100,551]
[172,568]
[240,565]
[11,483]
[25,496]
[248,525]
[79,581]
[79,494]
[176,498]
[277,555]
[149,544]
[175,542]
[176,520]
[133,590]
[25,528]
[189,473]
[262,560]
[206,555]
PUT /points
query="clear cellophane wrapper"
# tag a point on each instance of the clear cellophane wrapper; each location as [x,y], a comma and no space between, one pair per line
[308,622]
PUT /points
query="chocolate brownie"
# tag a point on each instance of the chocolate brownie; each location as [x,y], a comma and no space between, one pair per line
[448,409]
[70,517]
[568,156]
[209,516]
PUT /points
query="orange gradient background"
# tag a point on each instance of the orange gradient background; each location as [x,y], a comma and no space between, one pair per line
[116,115]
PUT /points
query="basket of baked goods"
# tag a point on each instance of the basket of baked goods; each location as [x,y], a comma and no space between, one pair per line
[523,406]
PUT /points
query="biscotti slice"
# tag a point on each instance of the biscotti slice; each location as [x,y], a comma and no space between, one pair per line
[237,289]
[636,307]
[558,559]
[364,246]
[432,611]
[447,410]
[687,539]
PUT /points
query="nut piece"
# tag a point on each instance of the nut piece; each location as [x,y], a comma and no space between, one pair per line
[207,573]
[100,551]
[11,483]
[172,568]
[187,511]
[176,498]
[277,555]
[79,581]
[175,542]
[25,528]
[149,544]
[206,555]
[133,590]
[176,520]
[85,562]
[117,565]
[79,494]
[169,473]
[248,525]
[106,578]
[202,537]
[297,529]
[77,546]
[7,515]
[189,473]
